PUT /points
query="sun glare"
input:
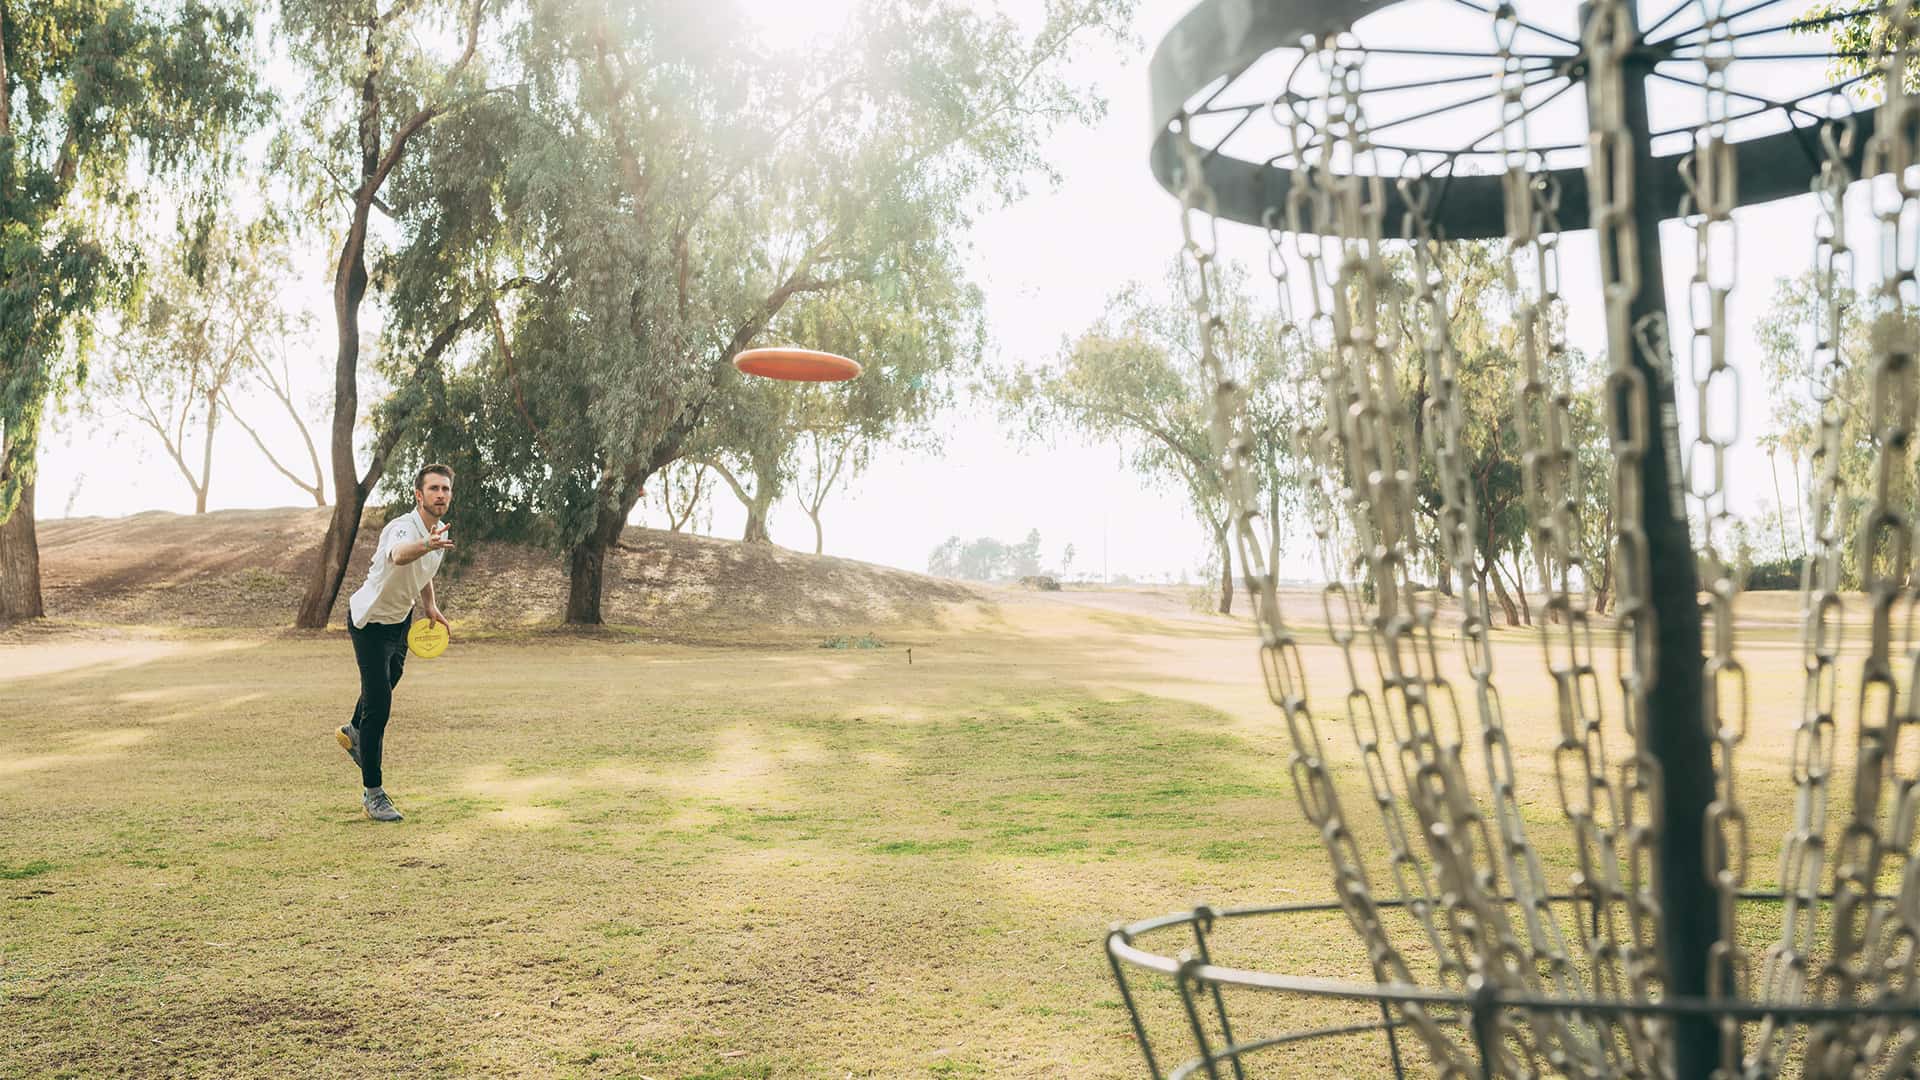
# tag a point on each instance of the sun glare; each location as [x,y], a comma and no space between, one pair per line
[795,24]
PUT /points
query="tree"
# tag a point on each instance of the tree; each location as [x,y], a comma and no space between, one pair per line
[827,458]
[673,190]
[270,368]
[1136,377]
[985,558]
[98,99]
[378,80]
[208,316]
[170,375]
[1786,335]
[914,337]
[685,496]
[944,561]
[1024,558]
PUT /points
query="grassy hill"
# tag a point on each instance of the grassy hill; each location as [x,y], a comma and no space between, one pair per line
[246,568]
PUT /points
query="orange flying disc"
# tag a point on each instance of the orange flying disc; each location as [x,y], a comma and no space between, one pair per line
[796,365]
[427,639]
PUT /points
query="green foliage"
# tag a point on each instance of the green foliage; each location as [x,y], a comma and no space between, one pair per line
[1866,32]
[677,193]
[99,99]
[986,559]
[1135,379]
[1773,575]
[1786,335]
[864,641]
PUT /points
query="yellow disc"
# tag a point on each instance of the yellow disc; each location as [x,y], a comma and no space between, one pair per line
[427,639]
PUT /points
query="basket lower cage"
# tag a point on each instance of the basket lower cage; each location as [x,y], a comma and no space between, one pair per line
[1572,907]
[1197,1012]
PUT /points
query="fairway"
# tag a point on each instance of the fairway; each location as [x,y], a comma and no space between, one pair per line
[635,859]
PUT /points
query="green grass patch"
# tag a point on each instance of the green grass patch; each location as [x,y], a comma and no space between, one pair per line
[9,872]
[921,847]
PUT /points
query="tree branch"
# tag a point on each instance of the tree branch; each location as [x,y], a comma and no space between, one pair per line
[285,396]
[151,418]
[739,492]
[318,492]
[513,372]
[391,434]
[676,520]
[615,89]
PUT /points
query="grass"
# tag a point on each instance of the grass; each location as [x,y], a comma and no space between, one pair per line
[626,859]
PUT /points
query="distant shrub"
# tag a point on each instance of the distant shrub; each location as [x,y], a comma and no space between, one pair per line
[1042,582]
[864,641]
[1774,575]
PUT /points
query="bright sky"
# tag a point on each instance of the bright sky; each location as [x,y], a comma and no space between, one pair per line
[1047,265]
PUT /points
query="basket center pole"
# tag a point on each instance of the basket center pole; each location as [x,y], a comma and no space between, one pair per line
[1675,733]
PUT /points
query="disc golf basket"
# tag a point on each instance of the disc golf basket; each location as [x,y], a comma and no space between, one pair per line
[1343,128]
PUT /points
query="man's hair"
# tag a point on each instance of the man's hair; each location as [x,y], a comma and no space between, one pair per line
[420,480]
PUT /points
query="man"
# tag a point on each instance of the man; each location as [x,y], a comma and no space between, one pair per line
[379,616]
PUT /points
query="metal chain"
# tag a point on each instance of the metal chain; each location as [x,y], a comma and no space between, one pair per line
[1711,177]
[1862,925]
[1366,441]
[1543,401]
[1284,672]
[1784,969]
[1608,38]
[1408,727]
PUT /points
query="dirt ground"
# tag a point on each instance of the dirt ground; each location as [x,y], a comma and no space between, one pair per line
[246,568]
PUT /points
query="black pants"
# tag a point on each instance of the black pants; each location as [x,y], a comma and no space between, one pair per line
[381,651]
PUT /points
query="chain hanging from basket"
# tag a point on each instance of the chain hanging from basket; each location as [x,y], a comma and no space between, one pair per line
[1504,971]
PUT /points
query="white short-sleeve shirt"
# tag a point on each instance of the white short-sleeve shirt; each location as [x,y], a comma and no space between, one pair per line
[391,589]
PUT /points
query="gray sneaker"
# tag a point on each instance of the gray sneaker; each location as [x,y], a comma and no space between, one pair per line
[349,739]
[380,808]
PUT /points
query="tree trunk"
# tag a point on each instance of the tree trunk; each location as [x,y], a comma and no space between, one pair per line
[819,535]
[330,566]
[1603,596]
[20,563]
[757,517]
[1226,571]
[349,289]
[206,452]
[587,561]
[586,577]
[1779,505]
[1489,570]
[1799,508]
[1520,587]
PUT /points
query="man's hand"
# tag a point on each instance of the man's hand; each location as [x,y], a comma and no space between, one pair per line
[438,540]
[433,613]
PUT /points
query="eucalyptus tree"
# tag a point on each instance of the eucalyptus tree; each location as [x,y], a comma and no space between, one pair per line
[913,338]
[381,75]
[1800,385]
[675,186]
[210,319]
[98,100]
[1135,378]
